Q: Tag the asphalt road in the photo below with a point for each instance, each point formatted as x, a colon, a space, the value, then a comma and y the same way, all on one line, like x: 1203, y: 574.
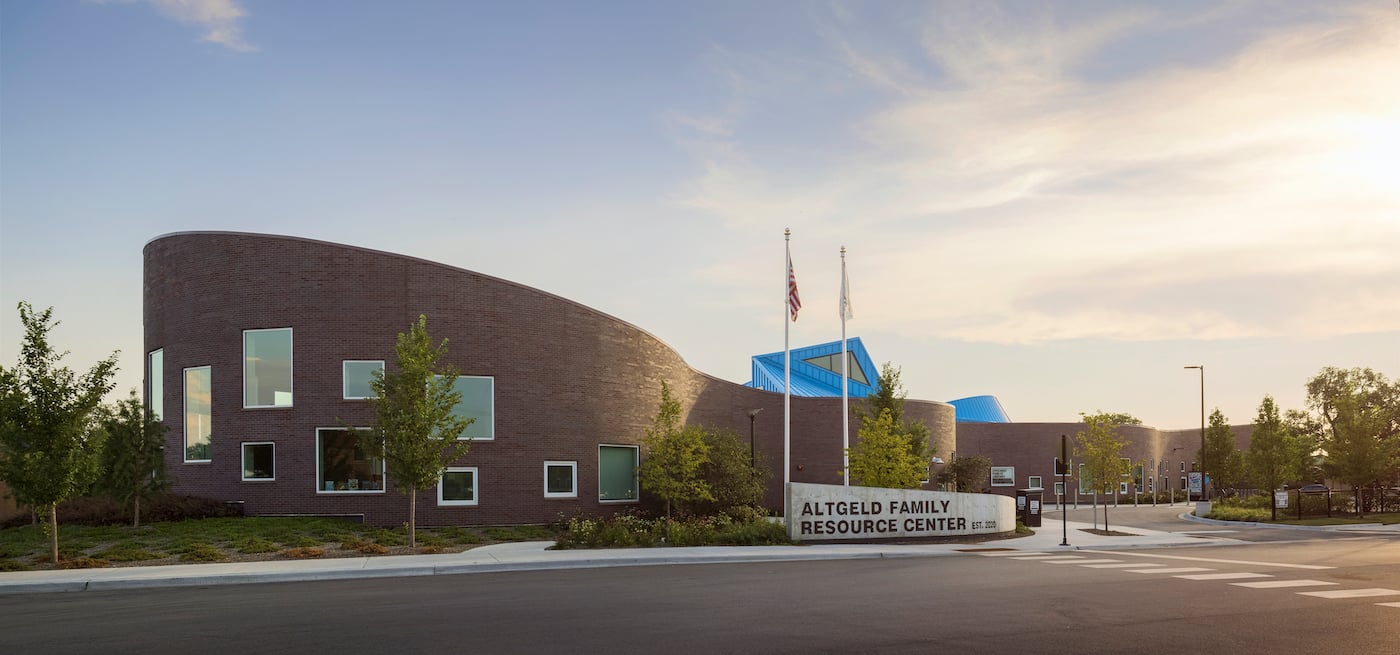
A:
x: 976, y: 602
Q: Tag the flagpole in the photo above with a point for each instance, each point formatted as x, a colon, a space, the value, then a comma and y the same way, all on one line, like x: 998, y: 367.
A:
x: 787, y: 373
x: 845, y: 380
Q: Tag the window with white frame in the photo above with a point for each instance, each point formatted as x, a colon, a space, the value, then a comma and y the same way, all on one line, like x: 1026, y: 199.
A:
x: 1003, y: 476
x: 1183, y: 483
x: 356, y: 375
x: 259, y: 461
x: 267, y: 368
x: 458, y: 486
x: 1123, y: 488
x: 1059, y: 488
x: 617, y: 474
x: 155, y: 383
x: 342, y: 466
x: 561, y: 479
x: 1034, y: 482
x: 1084, y: 486
x: 478, y: 403
x: 199, y: 416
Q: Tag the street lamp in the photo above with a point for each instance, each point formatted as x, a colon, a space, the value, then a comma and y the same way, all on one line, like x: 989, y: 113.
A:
x: 753, y: 414
x: 1204, y: 476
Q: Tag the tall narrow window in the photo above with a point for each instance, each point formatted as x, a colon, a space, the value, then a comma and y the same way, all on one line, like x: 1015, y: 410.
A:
x: 356, y: 376
x: 155, y: 383
x: 267, y: 368
x: 198, y: 414
x: 478, y: 404
x: 617, y: 474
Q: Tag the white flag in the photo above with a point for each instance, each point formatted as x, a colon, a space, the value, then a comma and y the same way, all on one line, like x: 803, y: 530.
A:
x: 845, y: 294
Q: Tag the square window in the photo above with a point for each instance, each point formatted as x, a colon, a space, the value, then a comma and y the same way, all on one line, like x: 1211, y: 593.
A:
x: 617, y: 474
x: 1122, y: 487
x: 342, y: 466
x: 356, y: 376
x: 458, y: 487
x: 478, y: 404
x: 267, y: 368
x: 1003, y: 476
x: 259, y: 461
x: 1059, y: 488
x: 560, y: 479
x: 1034, y: 482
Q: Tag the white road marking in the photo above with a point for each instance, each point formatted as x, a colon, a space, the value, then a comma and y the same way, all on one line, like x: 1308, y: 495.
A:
x: 1184, y: 569
x: 1280, y: 584
x: 1224, y: 576
x: 1351, y: 593
x: 1049, y: 558
x: 1209, y: 559
x: 1204, y: 531
x: 1129, y: 565
x: 1090, y: 561
x: 1009, y: 553
x: 1389, y: 604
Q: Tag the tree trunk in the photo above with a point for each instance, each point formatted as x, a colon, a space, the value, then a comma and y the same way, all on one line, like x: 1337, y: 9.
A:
x: 412, y: 516
x: 136, y: 513
x: 53, y: 530
x: 1105, y: 519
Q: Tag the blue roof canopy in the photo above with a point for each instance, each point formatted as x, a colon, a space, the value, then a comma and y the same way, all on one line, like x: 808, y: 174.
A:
x: 816, y: 370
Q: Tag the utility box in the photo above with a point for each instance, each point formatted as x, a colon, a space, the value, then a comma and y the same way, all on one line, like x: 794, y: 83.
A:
x: 1029, y: 503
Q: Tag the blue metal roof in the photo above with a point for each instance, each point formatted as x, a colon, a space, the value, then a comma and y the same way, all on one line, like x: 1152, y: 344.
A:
x: 816, y: 380
x: 822, y: 379
x: 979, y: 409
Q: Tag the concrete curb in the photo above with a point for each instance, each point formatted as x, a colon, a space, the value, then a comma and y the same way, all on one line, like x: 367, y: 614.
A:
x: 1349, y: 527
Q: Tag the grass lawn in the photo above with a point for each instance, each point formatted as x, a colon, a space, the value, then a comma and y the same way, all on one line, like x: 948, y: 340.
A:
x: 236, y: 539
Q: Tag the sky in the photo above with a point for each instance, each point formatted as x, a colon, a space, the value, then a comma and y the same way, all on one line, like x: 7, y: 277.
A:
x: 1057, y: 203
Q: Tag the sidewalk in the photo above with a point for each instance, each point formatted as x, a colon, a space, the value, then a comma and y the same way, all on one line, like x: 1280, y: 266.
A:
x: 532, y: 556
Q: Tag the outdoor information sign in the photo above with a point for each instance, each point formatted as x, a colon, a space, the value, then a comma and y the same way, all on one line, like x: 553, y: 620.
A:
x: 1281, y: 499
x: 1195, y: 482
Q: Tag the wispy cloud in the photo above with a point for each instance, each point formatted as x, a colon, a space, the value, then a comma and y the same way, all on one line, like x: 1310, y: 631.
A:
x: 1019, y: 198
x: 221, y: 19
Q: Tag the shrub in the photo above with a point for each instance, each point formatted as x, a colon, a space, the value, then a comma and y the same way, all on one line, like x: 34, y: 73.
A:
x: 11, y: 565
x: 371, y: 549
x: 202, y: 552
x: 1229, y: 513
x: 430, y: 550
x: 303, y: 553
x: 254, y: 544
x: 83, y: 563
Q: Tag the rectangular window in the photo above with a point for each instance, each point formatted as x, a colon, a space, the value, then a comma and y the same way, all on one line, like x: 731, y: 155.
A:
x: 1183, y: 484
x: 1003, y: 476
x: 155, y: 383
x: 1085, y: 487
x: 478, y: 404
x: 1183, y: 467
x: 1061, y: 468
x: 560, y: 479
x: 198, y: 414
x: 267, y: 368
x: 1151, y: 485
x: 259, y: 461
x: 458, y: 487
x: 1125, y: 466
x: 617, y: 474
x: 1059, y: 488
x: 1122, y: 488
x: 1034, y: 482
x: 342, y: 466
x: 356, y: 376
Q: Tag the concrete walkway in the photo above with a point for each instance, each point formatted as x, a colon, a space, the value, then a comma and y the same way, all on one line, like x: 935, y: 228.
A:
x: 530, y: 556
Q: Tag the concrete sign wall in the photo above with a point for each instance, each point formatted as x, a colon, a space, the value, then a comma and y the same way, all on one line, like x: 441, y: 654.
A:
x: 822, y: 512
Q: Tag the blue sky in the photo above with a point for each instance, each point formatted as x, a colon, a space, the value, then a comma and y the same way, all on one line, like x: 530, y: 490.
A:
x: 1059, y: 203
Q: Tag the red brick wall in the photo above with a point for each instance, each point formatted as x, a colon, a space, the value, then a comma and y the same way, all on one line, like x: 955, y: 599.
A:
x: 567, y: 377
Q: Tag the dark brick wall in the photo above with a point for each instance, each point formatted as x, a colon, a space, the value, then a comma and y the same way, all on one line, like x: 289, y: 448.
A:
x: 567, y: 377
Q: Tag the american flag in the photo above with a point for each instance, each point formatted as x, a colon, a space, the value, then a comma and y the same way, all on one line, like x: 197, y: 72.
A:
x: 794, y: 303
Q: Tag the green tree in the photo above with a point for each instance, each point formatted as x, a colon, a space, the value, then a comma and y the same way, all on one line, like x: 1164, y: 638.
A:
x: 1307, y: 435
x: 967, y: 474
x: 889, y: 396
x: 1356, y: 455
x: 1222, y: 454
x: 1271, y: 460
x: 884, y: 457
x: 1367, y: 389
x: 1120, y: 418
x: 133, y: 455
x: 732, y: 480
x: 1100, y: 449
x: 675, y: 454
x: 415, y: 432
x: 49, y: 446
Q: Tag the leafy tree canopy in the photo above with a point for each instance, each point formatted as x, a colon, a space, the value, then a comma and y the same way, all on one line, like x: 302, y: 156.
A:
x: 884, y: 456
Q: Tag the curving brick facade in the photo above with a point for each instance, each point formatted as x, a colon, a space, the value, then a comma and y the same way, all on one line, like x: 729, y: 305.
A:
x: 567, y: 378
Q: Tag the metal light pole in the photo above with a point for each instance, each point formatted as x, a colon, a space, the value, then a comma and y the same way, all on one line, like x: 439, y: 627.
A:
x: 753, y: 414
x: 1064, y: 513
x: 1205, y: 489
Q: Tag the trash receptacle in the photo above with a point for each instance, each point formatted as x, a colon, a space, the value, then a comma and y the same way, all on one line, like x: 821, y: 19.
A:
x: 1028, y: 506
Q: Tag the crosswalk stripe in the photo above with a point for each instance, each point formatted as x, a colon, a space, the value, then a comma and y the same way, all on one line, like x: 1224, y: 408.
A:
x: 1125, y: 565
x: 1224, y: 576
x: 1010, y: 553
x: 1181, y: 569
x: 1351, y: 593
x: 1389, y: 604
x: 1091, y: 561
x: 1049, y: 558
x: 1280, y: 584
